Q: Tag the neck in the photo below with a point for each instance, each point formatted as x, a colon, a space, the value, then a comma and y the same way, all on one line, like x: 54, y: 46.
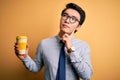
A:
x: 61, y: 34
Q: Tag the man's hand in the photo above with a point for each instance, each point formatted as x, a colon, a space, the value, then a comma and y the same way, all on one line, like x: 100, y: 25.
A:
x: 67, y: 39
x: 20, y: 56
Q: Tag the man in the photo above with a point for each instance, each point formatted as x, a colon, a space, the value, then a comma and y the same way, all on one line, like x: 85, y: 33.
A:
x: 77, y: 63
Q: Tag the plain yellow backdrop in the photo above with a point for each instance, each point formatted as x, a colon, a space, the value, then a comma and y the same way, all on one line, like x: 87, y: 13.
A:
x: 39, y: 19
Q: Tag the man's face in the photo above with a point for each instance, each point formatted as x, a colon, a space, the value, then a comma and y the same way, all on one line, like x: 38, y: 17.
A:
x: 69, y: 21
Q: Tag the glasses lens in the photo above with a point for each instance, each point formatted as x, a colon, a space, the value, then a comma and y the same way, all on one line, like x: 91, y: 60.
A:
x: 64, y: 16
x: 72, y: 19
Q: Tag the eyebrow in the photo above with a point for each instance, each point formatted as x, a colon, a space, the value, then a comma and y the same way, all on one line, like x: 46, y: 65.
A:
x: 71, y: 16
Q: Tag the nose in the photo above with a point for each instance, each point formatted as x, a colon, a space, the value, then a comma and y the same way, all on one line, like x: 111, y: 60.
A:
x: 67, y: 20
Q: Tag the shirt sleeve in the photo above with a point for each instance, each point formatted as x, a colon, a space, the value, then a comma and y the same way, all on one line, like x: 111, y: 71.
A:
x: 36, y: 64
x: 81, y: 61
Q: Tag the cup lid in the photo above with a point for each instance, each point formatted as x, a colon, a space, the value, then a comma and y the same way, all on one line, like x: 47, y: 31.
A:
x: 21, y: 37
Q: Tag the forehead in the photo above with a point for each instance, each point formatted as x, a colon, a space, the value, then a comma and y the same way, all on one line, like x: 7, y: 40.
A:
x: 72, y: 12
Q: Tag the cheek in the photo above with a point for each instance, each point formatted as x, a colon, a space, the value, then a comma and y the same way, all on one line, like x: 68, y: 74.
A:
x: 74, y: 26
x: 61, y: 22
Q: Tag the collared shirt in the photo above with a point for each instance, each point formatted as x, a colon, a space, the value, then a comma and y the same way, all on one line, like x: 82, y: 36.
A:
x: 78, y: 63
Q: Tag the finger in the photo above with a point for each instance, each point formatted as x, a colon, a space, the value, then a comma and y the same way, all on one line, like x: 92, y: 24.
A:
x: 15, y: 46
x: 16, y: 51
x: 16, y: 43
x: 63, y: 39
x: 27, y: 46
x: 65, y: 35
x: 72, y: 33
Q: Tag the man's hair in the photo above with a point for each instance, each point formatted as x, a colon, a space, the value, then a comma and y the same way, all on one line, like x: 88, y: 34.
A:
x: 78, y: 9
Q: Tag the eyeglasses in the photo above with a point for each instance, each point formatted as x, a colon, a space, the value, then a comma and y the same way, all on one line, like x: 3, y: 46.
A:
x: 72, y: 19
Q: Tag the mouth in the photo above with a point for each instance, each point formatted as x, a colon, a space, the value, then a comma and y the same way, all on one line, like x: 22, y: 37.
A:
x: 65, y: 26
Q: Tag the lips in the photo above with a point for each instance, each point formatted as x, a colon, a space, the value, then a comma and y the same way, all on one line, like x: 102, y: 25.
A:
x: 65, y: 26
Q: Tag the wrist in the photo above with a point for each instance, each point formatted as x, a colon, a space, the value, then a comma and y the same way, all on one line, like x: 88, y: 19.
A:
x: 22, y: 56
x: 71, y: 49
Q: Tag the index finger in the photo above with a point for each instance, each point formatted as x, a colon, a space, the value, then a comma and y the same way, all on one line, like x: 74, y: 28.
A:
x: 72, y: 33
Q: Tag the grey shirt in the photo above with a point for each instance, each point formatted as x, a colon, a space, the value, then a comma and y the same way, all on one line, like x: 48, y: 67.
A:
x: 78, y: 63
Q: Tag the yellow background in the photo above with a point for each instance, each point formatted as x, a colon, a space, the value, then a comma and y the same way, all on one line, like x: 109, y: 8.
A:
x: 39, y: 19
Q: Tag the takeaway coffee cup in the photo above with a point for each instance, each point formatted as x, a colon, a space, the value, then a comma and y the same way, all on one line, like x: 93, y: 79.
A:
x: 22, y: 42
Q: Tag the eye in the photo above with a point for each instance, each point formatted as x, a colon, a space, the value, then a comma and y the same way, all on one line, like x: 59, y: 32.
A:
x: 73, y: 18
x: 64, y: 15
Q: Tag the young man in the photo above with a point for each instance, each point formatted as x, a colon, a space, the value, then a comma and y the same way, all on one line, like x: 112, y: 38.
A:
x: 76, y: 62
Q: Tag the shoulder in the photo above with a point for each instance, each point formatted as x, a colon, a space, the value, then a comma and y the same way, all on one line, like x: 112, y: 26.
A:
x: 81, y: 46
x: 46, y: 44
x: 80, y: 43
x: 47, y: 41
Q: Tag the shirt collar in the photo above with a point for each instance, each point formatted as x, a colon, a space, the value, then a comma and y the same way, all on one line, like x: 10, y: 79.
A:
x: 58, y: 38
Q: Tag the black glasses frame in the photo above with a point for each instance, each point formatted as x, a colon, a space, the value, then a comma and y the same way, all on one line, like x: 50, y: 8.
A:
x: 72, y: 19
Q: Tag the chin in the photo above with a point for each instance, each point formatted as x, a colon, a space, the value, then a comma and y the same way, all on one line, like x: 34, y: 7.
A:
x: 65, y: 31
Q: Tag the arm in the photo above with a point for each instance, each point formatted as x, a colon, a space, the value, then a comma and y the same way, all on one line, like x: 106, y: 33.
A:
x: 34, y: 65
x: 81, y: 61
x: 80, y: 58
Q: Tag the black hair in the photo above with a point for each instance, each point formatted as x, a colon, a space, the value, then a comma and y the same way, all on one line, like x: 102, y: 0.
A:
x: 78, y: 9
